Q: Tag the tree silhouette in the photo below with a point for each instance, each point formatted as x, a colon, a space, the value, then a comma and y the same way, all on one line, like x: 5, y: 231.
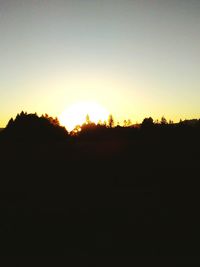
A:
x: 163, y: 120
x: 10, y: 123
x: 31, y: 126
x: 111, y: 121
x: 147, y: 123
x: 127, y: 123
x: 87, y: 119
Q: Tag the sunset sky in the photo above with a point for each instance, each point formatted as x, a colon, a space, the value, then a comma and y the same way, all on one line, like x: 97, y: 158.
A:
x: 136, y: 58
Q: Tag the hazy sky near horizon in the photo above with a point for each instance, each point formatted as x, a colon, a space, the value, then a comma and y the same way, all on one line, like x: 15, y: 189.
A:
x: 136, y: 58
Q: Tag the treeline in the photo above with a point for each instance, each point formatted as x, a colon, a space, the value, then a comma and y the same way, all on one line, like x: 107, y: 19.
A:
x: 32, y: 127
x: 46, y: 128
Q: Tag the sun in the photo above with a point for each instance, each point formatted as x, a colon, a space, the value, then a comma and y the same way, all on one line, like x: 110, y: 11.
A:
x: 77, y: 112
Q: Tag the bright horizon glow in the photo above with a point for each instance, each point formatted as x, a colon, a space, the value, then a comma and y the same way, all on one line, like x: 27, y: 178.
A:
x: 76, y: 114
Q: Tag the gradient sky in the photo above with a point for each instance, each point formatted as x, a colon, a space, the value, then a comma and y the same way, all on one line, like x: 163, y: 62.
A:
x: 136, y: 58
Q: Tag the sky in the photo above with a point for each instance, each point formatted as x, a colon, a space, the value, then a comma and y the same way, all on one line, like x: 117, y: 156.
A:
x: 136, y: 58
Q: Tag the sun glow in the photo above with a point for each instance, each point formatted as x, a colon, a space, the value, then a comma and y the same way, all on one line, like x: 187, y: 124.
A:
x: 76, y: 114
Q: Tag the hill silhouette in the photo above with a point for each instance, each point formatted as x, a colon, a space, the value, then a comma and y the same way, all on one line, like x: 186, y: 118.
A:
x: 102, y: 196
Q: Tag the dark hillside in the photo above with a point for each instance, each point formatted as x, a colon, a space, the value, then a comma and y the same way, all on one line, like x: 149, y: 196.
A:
x: 119, y: 196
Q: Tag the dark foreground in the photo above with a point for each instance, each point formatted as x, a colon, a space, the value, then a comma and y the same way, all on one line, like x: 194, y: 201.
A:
x: 117, y: 201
